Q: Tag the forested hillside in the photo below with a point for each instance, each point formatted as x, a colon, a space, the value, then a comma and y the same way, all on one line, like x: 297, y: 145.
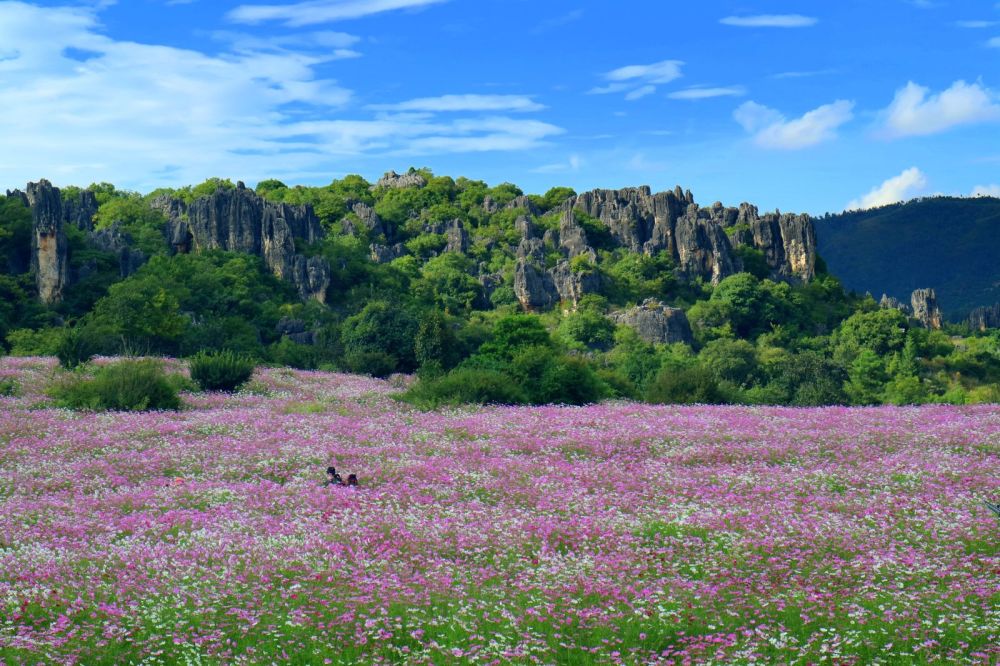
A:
x: 948, y: 243
x: 487, y: 293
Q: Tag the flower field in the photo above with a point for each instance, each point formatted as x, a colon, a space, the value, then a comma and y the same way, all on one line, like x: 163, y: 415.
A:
x: 618, y: 533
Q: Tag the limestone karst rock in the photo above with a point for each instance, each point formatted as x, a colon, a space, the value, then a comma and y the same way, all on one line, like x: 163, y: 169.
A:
x: 655, y: 322
x: 892, y: 303
x: 383, y: 254
x: 239, y: 220
x: 458, y: 237
x: 393, y: 180
x: 116, y: 241
x: 985, y: 318
x: 925, y: 308
x: 534, y: 287
x: 49, y: 249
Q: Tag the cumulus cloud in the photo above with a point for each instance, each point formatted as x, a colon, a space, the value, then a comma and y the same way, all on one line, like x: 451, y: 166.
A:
x: 638, y: 81
x: 312, y: 12
x: 700, y: 92
x: 770, y: 21
x: 770, y: 128
x: 899, y: 188
x: 986, y: 191
x: 79, y: 106
x: 915, y: 111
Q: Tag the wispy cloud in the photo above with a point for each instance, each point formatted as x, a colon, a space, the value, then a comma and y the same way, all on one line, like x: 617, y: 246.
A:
x: 312, y: 12
x: 573, y: 163
x: 559, y: 21
x: 770, y: 21
x: 704, y: 92
x: 976, y: 24
x: 464, y: 103
x: 803, y: 74
x: 639, y: 80
x: 915, y: 111
x: 770, y: 128
x: 898, y: 188
x: 994, y: 43
x: 255, y: 109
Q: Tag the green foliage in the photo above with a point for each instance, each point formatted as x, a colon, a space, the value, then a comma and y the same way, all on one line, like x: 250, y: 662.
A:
x: 9, y: 387
x: 221, y: 371
x: 41, y: 342
x: 436, y: 343
x: 513, y: 333
x: 132, y: 385
x: 685, y: 385
x: 466, y: 386
x: 753, y: 260
x: 587, y: 329
x: 76, y: 347
x: 379, y: 340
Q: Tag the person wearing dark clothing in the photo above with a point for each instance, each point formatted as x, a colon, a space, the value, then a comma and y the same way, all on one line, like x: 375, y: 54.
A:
x: 352, y: 479
x: 332, y: 478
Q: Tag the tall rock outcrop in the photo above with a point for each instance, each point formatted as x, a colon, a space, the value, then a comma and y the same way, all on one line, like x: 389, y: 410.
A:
x: 79, y: 211
x: 534, y: 287
x: 892, y: 303
x: 239, y: 220
x: 49, y: 249
x: 985, y: 318
x: 925, y: 308
x: 393, y: 180
x: 695, y: 237
x: 115, y: 241
x: 655, y: 322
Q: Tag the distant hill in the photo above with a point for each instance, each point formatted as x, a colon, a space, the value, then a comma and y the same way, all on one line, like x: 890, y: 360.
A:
x: 948, y: 243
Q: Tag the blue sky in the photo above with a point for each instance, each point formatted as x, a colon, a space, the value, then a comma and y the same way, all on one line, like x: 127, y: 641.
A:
x: 802, y: 106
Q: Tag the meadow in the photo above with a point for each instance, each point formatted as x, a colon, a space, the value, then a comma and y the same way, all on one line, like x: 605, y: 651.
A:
x: 618, y: 533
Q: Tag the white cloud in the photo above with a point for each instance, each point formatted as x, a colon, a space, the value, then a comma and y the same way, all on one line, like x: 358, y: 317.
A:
x: 454, y: 103
x: 639, y: 80
x: 915, y: 112
x: 986, y: 191
x: 994, y: 43
x: 770, y: 21
x: 659, y: 72
x: 573, y: 163
x: 976, y: 24
x: 706, y: 93
x: 639, y: 93
x: 312, y: 12
x: 771, y: 129
x: 899, y: 188
x: 146, y: 115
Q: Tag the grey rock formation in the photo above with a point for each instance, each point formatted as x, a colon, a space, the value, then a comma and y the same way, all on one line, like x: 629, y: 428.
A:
x: 368, y: 218
x: 573, y: 238
x: 16, y: 193
x: 525, y: 227
x: 116, y: 241
x: 573, y: 285
x: 80, y: 211
x: 239, y: 220
x: 534, y: 287
x: 49, y: 249
x: 490, y: 205
x: 985, y: 318
x: 393, y: 180
x: 668, y: 221
x: 524, y: 203
x: 531, y: 249
x: 892, y: 303
x: 655, y: 322
x: 382, y: 254
x: 458, y: 237
x: 296, y: 331
x: 925, y: 308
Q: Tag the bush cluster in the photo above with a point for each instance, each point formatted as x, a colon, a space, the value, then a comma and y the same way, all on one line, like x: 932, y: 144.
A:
x: 128, y: 386
x: 221, y: 371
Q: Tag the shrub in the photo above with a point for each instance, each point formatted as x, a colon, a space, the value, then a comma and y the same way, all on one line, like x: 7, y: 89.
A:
x: 464, y: 386
x: 9, y: 387
x: 221, y: 371
x: 75, y: 348
x: 124, y: 386
x: 693, y: 385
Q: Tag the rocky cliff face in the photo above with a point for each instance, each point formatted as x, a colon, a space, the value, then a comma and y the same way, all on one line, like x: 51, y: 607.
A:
x: 696, y: 237
x: 654, y: 322
x: 49, y: 249
x: 985, y: 318
x: 239, y: 220
x: 925, y: 308
x: 112, y: 239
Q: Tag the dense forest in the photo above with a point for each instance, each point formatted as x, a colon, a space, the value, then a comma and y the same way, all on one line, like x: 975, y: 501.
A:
x: 948, y: 243
x: 485, y: 293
